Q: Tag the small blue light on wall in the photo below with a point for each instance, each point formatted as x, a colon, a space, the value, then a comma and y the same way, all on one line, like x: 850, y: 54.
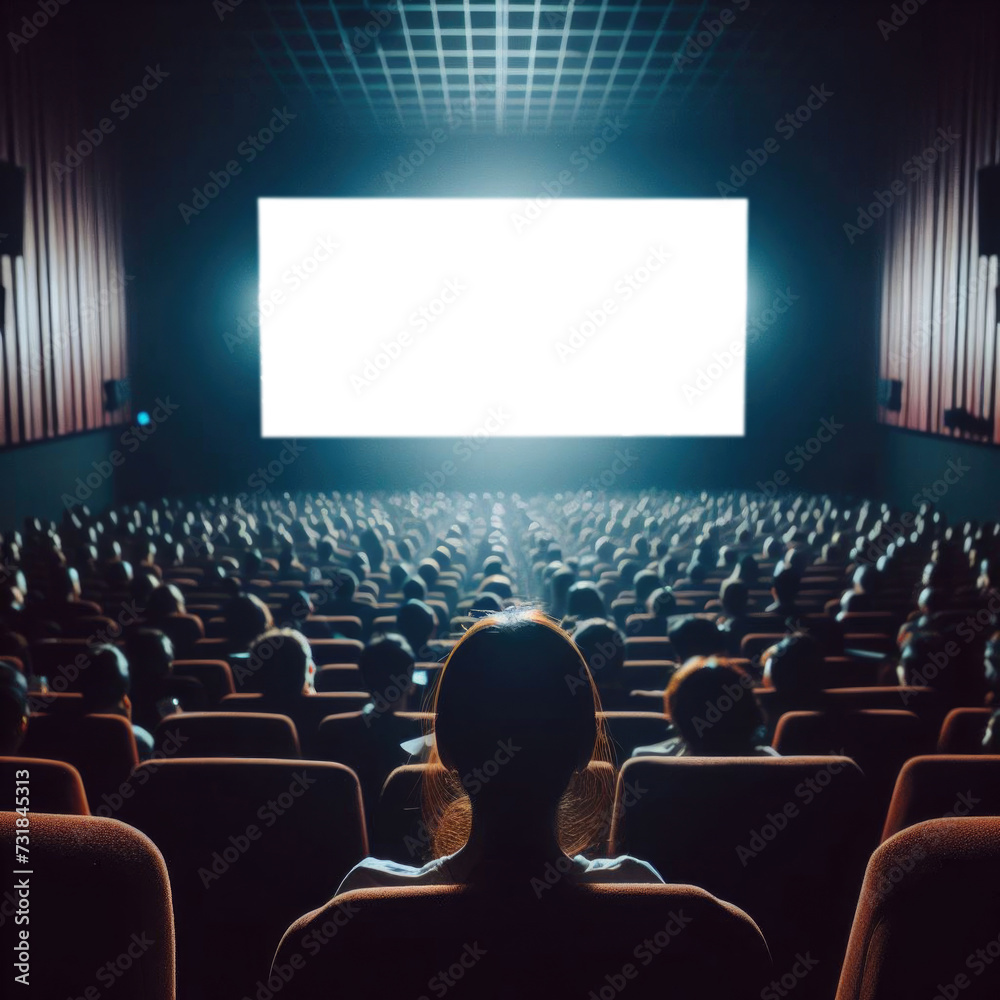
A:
x: 143, y: 419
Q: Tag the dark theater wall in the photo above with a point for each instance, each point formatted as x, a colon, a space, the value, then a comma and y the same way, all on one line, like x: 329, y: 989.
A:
x: 64, y: 329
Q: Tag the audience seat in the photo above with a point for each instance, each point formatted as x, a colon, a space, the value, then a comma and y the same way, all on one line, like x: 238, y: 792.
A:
x: 928, y: 920
x: 648, y: 648
x: 51, y: 657
x: 647, y: 675
x: 786, y: 839
x: 229, y: 734
x: 945, y: 785
x: 250, y: 845
x: 306, y: 712
x: 99, y: 894
x: 369, y: 744
x: 101, y: 747
x: 754, y: 643
x: 515, y: 940
x: 327, y: 626
x: 327, y: 651
x: 879, y: 741
x: 339, y: 677
x: 215, y: 676
x: 53, y: 787
x: 962, y: 731
x: 628, y: 730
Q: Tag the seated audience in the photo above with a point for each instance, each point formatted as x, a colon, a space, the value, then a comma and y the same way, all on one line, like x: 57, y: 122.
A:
x: 711, y: 707
x: 503, y: 697
x: 104, y: 684
x: 14, y: 710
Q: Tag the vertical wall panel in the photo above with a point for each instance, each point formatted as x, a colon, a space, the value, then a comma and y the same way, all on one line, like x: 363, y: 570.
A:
x: 64, y: 328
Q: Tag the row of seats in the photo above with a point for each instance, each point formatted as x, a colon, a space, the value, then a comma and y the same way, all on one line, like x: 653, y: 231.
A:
x: 789, y: 853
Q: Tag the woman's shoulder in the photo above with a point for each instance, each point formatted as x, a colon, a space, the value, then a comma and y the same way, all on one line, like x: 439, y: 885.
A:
x: 376, y: 873
x: 624, y: 868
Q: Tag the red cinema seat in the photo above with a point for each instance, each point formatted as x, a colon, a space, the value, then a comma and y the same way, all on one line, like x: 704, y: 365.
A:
x: 944, y: 786
x: 963, y: 729
x: 928, y: 920
x: 99, y: 901
x: 510, y: 941
x: 229, y: 734
x: 248, y: 844
x: 785, y: 839
x: 53, y: 787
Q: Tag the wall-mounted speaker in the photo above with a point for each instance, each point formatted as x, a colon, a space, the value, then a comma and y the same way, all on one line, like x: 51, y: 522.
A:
x: 889, y: 393
x: 12, y: 188
x: 116, y: 394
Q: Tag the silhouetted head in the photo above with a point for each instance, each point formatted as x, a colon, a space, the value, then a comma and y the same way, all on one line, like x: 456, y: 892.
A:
x: 149, y: 652
x: 386, y: 663
x: 693, y: 636
x: 414, y: 589
x: 485, y: 604
x: 295, y: 609
x: 164, y: 600
x: 661, y: 603
x: 515, y: 720
x: 104, y: 681
x: 584, y: 600
x: 14, y: 710
x: 644, y: 584
x: 794, y: 668
x: 734, y: 595
x: 785, y: 584
x: 710, y: 702
x: 281, y: 664
x: 505, y: 683
x: 416, y: 622
x: 247, y: 616
x: 603, y: 647
x: 345, y: 583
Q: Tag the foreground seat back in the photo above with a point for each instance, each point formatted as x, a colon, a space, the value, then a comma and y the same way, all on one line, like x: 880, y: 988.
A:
x: 651, y: 941
x: 928, y: 920
x: 944, y: 786
x: 100, y: 916
x: 785, y: 839
x: 250, y: 845
x: 53, y: 787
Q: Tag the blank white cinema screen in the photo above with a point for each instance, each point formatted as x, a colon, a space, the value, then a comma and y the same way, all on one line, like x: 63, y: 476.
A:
x: 435, y: 317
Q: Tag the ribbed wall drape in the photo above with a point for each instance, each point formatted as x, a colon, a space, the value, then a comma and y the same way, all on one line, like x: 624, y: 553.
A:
x: 939, y: 321
x: 64, y: 327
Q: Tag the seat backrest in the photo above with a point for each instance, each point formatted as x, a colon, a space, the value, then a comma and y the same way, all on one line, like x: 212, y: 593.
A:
x: 101, y: 747
x: 215, y: 676
x: 880, y: 741
x: 306, y: 712
x: 515, y: 941
x: 928, y: 919
x: 962, y: 730
x: 786, y: 839
x: 229, y: 734
x: 754, y: 643
x: 339, y: 677
x: 250, y: 845
x: 326, y: 651
x: 52, y: 786
x: 369, y: 744
x: 923, y: 702
x: 100, y: 901
x: 944, y: 786
x: 648, y: 648
x: 60, y: 660
x: 628, y: 730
